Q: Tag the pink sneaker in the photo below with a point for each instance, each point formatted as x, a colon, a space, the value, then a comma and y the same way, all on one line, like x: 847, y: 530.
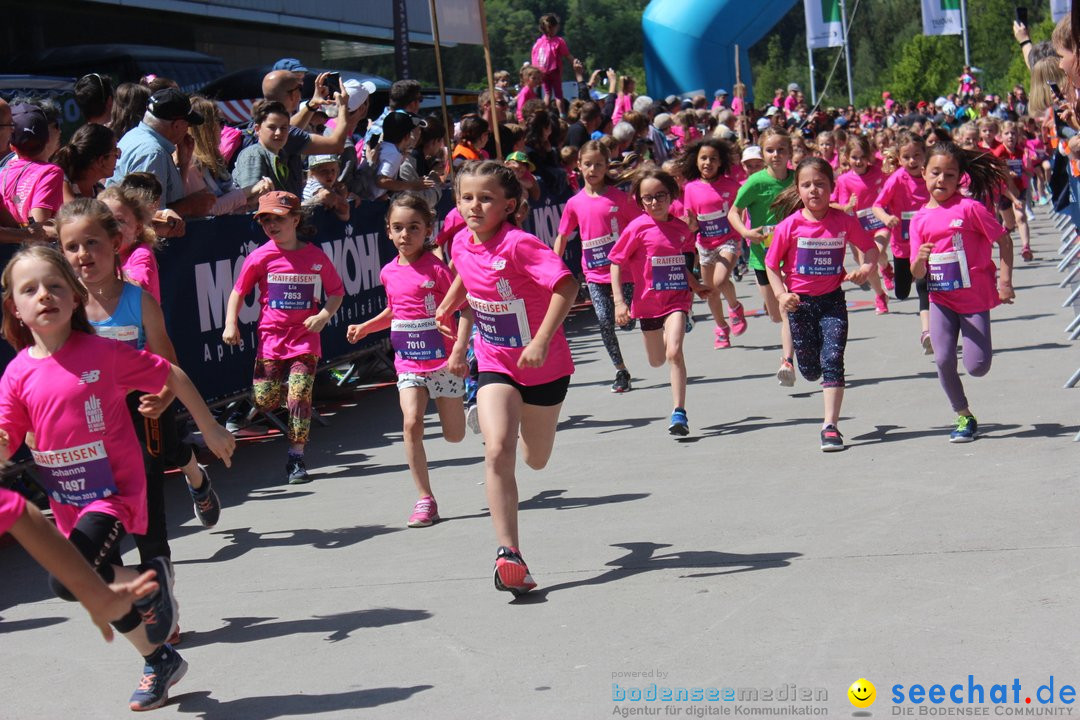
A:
x: 738, y: 320
x: 881, y: 303
x: 887, y: 277
x: 722, y: 337
x: 425, y: 512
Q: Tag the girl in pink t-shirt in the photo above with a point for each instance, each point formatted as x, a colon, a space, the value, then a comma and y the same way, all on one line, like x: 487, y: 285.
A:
x: 708, y: 196
x: 520, y: 293
x: 67, y: 387
x: 292, y: 276
x: 598, y: 213
x: 855, y: 193
x: 428, y: 364
x: 805, y: 265
x: 530, y: 86
x: 138, y: 240
x: 952, y: 238
x: 656, y: 252
x: 547, y: 54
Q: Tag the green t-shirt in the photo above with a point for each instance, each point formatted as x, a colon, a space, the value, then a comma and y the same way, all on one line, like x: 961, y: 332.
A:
x: 757, y: 195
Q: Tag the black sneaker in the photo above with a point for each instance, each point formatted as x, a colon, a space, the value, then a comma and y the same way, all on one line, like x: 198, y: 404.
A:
x: 831, y: 439
x: 158, y: 611
x: 622, y: 382
x: 167, y: 669
x: 511, y: 572
x: 296, y: 471
x: 207, y: 504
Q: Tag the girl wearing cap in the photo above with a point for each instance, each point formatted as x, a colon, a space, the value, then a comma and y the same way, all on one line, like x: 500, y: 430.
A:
x: 291, y: 275
x: 31, y: 188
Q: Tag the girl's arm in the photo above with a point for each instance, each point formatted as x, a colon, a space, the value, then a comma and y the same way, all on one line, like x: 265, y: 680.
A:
x: 890, y: 221
x: 788, y: 300
x: 734, y: 217
x: 157, y: 342
x: 219, y: 440
x: 317, y: 322
x: 622, y: 307
x: 870, y: 258
x: 457, y: 362
x: 356, y: 333
x: 560, y: 244
x: 562, y: 299
x: 231, y: 335
x: 443, y: 314
x: 918, y: 267
x: 1005, y: 250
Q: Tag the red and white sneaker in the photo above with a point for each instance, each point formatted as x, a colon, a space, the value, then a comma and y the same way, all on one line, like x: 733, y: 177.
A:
x: 887, y: 277
x: 737, y: 315
x: 881, y: 304
x: 511, y: 572
x: 425, y: 512
x: 723, y: 338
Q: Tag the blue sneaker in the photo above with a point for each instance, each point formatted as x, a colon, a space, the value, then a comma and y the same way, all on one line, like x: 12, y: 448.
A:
x: 158, y: 611
x: 167, y: 669
x: 679, y: 424
x: 966, y: 429
x: 689, y: 323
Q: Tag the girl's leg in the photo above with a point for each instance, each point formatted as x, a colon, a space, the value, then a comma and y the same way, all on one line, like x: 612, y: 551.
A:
x: 1021, y: 221
x: 736, y: 312
x: 538, y: 424
x: 884, y: 268
x: 500, y: 420
x: 902, y: 277
x: 978, y: 350
x: 604, y: 306
x: 674, y: 332
x: 413, y: 404
x: 710, y: 277
x: 301, y: 382
x: 451, y: 417
x: 267, y: 384
x: 806, y: 338
x: 923, y: 292
x: 654, y: 346
x: 833, y: 324
x: 944, y: 332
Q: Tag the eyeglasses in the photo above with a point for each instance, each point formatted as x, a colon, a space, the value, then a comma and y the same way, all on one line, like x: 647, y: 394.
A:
x: 658, y: 197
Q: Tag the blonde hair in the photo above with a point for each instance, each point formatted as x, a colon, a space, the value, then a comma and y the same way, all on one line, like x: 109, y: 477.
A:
x: 136, y: 203
x: 1046, y: 71
x: 15, y: 331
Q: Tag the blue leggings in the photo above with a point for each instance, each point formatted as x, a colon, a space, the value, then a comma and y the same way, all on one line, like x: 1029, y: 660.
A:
x: 819, y: 328
x: 603, y: 303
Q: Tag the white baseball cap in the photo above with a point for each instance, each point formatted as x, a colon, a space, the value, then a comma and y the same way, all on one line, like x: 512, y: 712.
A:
x: 752, y: 152
x: 763, y: 123
x: 358, y: 92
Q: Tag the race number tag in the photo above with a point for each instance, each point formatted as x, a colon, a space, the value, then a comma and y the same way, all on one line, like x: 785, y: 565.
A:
x: 504, y: 323
x: 1016, y: 166
x: 291, y: 291
x: 669, y: 273
x: 127, y: 334
x: 76, y: 476
x: 714, y: 224
x: 819, y: 256
x: 947, y: 271
x: 905, y: 224
x: 595, y: 252
x: 417, y: 339
x: 869, y: 220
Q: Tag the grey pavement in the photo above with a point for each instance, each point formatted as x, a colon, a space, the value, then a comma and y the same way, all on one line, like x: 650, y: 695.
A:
x: 740, y: 557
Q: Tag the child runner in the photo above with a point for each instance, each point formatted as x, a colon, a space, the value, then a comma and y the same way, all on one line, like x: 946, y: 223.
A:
x: 756, y: 196
x: 855, y: 193
x: 1012, y: 206
x: 808, y: 249
x: 291, y: 275
x: 708, y: 197
x: 656, y: 251
x: 599, y: 213
x: 904, y: 193
x: 953, y: 236
x: 428, y: 364
x: 67, y: 387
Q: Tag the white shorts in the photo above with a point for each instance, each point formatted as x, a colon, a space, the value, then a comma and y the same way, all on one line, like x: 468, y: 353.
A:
x: 711, y: 257
x: 438, y: 383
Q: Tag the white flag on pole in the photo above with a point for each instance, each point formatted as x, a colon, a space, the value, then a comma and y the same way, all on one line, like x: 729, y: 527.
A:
x: 823, y: 28
x: 459, y: 22
x: 941, y: 17
x: 1059, y: 9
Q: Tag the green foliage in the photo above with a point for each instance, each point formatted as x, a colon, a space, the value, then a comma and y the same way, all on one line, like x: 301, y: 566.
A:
x: 927, y: 67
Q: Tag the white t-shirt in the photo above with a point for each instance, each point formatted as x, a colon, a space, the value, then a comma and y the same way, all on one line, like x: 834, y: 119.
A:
x: 390, y: 160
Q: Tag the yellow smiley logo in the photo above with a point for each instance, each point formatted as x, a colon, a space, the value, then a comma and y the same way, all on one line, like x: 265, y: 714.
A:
x: 862, y: 693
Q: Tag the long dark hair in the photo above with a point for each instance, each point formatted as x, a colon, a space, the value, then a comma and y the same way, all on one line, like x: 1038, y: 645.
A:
x: 986, y: 171
x: 90, y: 142
x: 788, y: 201
x: 689, y: 160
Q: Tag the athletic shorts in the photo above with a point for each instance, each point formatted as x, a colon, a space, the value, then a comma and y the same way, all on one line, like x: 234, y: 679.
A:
x: 762, y: 277
x: 656, y: 323
x: 438, y: 383
x: 546, y: 395
x: 707, y: 256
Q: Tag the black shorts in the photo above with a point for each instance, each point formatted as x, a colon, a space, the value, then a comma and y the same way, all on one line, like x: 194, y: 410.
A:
x: 762, y: 277
x: 656, y: 323
x: 546, y: 395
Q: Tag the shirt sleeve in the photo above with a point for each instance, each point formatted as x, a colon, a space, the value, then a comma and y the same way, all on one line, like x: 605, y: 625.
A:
x: 539, y: 261
x: 249, y: 167
x: 778, y: 249
x: 48, y: 191
x: 745, y: 197
x: 139, y: 369
x: 856, y: 235
x: 885, y: 196
x: 568, y: 222
x: 12, y: 506
x: 14, y: 418
x: 249, y: 273
x: 331, y: 281
x: 625, y: 247
x: 987, y: 223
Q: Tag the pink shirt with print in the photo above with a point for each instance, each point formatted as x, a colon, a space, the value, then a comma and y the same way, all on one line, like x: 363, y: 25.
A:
x: 510, y: 280
x: 710, y: 202
x: 901, y: 195
x: 28, y: 184
x: 652, y: 255
x: 599, y: 219
x: 810, y: 253
x: 413, y: 292
x: 865, y: 188
x: 74, y: 401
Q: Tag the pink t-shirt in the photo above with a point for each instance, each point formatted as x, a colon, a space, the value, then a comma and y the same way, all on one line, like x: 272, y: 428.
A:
x: 290, y: 284
x: 790, y: 103
x: 548, y: 52
x: 710, y: 202
x: 141, y: 268
x: 678, y: 209
x: 810, y: 252
x: 28, y: 184
x: 961, y: 274
x: 413, y: 292
x: 623, y: 104
x: 452, y: 224
x: 598, y: 219
x: 901, y: 195
x: 74, y: 403
x: 738, y: 173
x: 651, y: 254
x: 865, y: 188
x: 525, y: 95
x: 737, y: 105
x: 12, y: 506
x: 510, y: 280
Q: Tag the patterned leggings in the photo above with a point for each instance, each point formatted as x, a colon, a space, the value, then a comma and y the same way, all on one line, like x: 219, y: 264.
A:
x: 298, y: 374
x: 819, y: 328
x: 603, y: 303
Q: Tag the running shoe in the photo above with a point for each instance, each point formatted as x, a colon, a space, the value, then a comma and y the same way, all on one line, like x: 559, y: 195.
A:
x: 679, y: 424
x: 689, y: 323
x: 622, y: 382
x: 424, y: 513
x: 737, y: 316
x: 1030, y: 213
x: 632, y: 325
x: 831, y: 439
x: 722, y: 334
x: 1044, y: 199
x: 158, y: 611
x: 511, y: 572
x: 924, y: 340
x: 966, y: 430
x: 887, y: 277
x: 1027, y: 254
x: 472, y: 419
x: 881, y: 304
x: 740, y: 270
x: 296, y: 470
x: 786, y: 374
x: 167, y: 669
x: 207, y: 504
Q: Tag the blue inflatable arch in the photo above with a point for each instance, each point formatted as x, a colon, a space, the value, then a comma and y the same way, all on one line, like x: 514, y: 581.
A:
x: 690, y: 44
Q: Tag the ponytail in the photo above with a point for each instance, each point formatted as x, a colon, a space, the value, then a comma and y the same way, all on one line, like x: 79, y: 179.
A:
x: 985, y: 170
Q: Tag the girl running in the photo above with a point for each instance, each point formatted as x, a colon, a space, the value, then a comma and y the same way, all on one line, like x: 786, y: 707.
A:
x: 756, y: 196
x: 1012, y: 206
x: 904, y: 193
x: 520, y: 292
x: 953, y: 238
x: 708, y: 197
x: 805, y: 264
x: 291, y: 275
x: 657, y: 251
x: 428, y: 365
x: 599, y: 212
x: 67, y: 387
x: 855, y: 193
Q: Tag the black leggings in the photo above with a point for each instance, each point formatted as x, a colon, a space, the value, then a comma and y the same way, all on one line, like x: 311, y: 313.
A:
x: 97, y: 537
x: 902, y: 277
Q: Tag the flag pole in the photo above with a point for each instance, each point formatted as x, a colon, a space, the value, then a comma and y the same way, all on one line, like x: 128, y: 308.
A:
x: 847, y: 51
x: 813, y: 82
x: 442, y: 87
x: 491, y: 81
x: 964, y: 32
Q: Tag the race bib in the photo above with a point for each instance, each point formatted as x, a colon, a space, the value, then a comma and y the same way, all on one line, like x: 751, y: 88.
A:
x: 669, y: 272
x: 594, y: 252
x: 947, y: 271
x: 714, y: 225
x: 291, y: 291
x: 819, y: 256
x: 417, y: 339
x: 76, y: 476
x: 1016, y: 166
x: 504, y: 323
x: 128, y: 334
x: 869, y: 220
x: 905, y: 224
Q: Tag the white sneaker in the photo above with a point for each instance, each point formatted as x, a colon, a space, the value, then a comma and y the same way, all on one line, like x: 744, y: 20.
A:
x: 472, y: 419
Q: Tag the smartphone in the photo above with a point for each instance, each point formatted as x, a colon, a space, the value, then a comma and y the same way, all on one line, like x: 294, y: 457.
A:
x: 1022, y: 15
x: 1057, y: 91
x: 333, y: 81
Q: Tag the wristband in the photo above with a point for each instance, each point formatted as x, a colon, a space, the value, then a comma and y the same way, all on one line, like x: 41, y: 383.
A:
x: 1024, y: 42
x: 308, y: 106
